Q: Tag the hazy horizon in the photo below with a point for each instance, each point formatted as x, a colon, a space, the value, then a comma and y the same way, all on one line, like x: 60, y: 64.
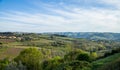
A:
x: 40, y: 16
x: 56, y: 32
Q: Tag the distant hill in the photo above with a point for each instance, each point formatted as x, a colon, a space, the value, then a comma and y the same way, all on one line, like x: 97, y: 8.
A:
x: 91, y: 35
x: 86, y: 35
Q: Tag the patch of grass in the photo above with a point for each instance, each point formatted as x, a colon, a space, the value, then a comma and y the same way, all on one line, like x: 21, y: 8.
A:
x: 99, y: 63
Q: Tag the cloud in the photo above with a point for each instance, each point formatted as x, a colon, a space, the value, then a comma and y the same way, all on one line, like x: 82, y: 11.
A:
x: 62, y: 19
x: 114, y: 3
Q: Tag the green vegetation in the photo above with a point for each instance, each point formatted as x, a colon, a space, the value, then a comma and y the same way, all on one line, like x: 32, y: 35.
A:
x: 114, y: 65
x: 30, y: 51
x: 102, y: 62
x: 31, y: 58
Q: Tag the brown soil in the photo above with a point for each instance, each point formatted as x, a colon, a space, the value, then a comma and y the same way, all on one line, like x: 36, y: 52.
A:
x: 10, y: 53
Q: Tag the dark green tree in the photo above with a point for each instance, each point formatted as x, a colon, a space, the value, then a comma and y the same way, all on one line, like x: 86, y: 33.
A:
x: 84, y: 57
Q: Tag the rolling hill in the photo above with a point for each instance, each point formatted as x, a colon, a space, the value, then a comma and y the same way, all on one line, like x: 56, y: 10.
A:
x: 91, y: 35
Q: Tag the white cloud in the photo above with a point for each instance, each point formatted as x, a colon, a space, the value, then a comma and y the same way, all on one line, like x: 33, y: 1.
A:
x: 72, y: 19
x: 115, y: 3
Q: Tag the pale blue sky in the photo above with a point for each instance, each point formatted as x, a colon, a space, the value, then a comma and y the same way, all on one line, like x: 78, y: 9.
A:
x: 60, y: 15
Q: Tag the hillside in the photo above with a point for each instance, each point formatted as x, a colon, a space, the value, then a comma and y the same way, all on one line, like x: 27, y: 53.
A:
x: 61, y: 43
x: 102, y: 63
x: 91, y: 35
x: 55, y: 52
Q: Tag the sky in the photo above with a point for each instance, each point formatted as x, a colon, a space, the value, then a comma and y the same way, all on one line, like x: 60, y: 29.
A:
x: 60, y: 16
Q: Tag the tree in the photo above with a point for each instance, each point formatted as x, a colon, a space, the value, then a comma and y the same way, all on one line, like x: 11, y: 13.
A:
x: 84, y: 57
x: 31, y: 58
x: 74, y: 65
x: 52, y: 64
x: 80, y: 65
x: 1, y: 43
x: 93, y: 55
x: 72, y: 55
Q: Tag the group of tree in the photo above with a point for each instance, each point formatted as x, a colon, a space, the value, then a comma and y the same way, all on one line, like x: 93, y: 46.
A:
x: 34, y: 59
x: 109, y: 53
